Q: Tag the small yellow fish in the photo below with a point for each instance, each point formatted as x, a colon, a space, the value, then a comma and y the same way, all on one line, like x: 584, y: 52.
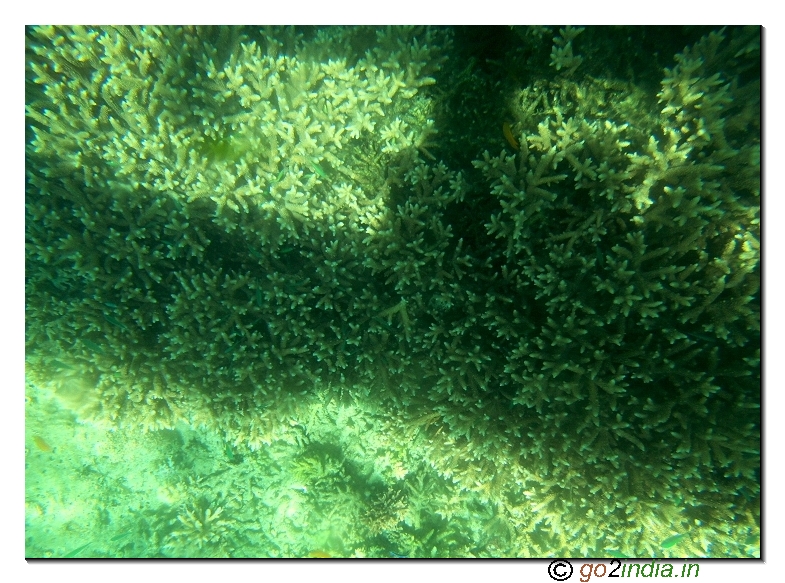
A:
x: 41, y: 444
x: 510, y: 138
x: 319, y: 555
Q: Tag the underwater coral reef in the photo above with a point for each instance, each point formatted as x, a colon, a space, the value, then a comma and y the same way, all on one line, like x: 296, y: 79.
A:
x: 399, y: 292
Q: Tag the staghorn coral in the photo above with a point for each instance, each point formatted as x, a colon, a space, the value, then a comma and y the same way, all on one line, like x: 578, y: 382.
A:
x: 629, y: 376
x: 252, y: 144
x: 562, y: 56
x: 385, y: 509
x: 200, y: 531
x: 233, y: 228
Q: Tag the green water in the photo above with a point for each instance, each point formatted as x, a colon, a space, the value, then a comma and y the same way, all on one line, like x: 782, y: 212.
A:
x: 407, y: 292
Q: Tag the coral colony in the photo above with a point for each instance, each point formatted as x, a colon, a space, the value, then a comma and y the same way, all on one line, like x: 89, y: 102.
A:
x: 320, y: 318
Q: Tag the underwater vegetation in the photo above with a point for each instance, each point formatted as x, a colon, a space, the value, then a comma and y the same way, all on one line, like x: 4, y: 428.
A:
x: 353, y: 295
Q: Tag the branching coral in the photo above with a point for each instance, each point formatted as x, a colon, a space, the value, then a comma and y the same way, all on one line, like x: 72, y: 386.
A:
x: 194, y: 175
x: 200, y: 531
x: 385, y: 510
x: 656, y: 229
x: 220, y: 220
